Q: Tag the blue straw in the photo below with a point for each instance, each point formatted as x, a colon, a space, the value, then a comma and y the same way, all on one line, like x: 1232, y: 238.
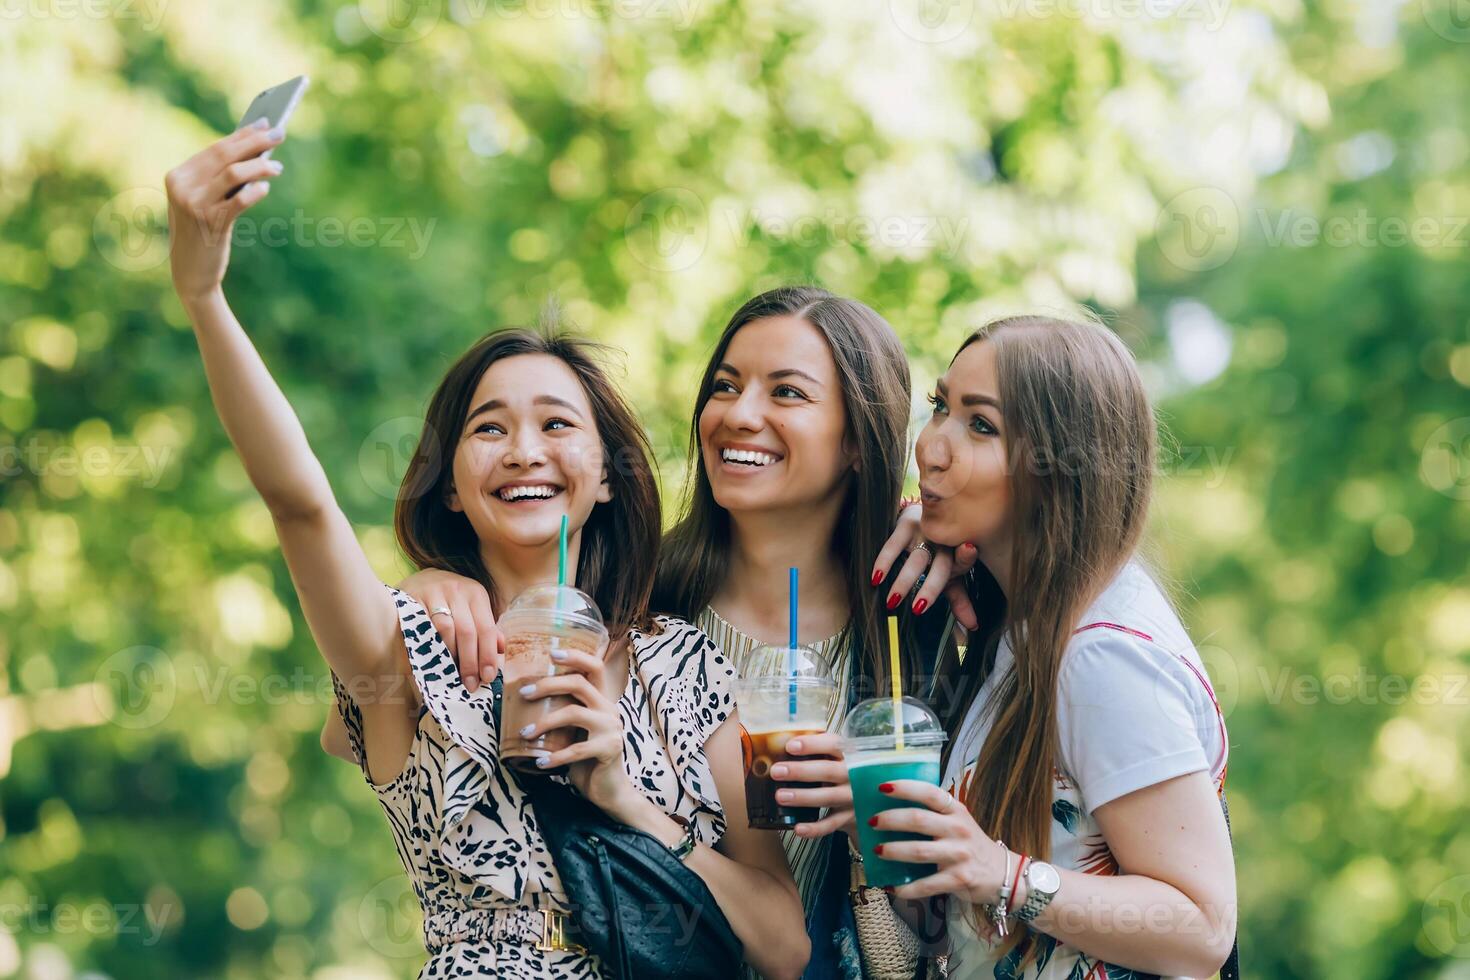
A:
x: 791, y: 651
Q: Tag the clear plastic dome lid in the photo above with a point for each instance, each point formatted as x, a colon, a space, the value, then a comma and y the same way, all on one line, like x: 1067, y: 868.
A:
x: 875, y: 723
x: 561, y: 605
x: 782, y: 665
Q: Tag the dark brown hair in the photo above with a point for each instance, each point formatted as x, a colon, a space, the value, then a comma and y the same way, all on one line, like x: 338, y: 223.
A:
x: 1081, y: 443
x: 619, y: 544
x: 874, y: 376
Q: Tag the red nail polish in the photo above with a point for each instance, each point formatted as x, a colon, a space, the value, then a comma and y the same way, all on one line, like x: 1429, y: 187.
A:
x: 872, y: 821
x: 971, y: 546
x: 888, y: 889
x: 885, y: 787
x: 877, y: 577
x: 878, y: 849
x: 920, y: 606
x: 893, y: 601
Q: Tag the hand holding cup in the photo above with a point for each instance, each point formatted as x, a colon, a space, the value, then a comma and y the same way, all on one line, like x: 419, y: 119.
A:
x: 821, y: 763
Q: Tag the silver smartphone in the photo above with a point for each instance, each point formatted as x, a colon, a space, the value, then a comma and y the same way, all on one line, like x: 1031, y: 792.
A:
x: 274, y: 105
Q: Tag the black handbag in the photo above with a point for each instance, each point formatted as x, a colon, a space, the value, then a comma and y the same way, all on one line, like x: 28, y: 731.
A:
x: 634, y: 903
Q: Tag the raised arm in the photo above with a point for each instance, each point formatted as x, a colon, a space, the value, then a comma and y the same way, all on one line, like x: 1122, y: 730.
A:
x: 350, y: 614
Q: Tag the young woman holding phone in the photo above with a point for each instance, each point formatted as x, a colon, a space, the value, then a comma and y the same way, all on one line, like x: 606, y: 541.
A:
x: 797, y: 450
x: 530, y: 431
x: 1078, y: 829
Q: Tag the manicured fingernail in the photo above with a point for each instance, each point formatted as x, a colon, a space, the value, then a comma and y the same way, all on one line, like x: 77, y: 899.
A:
x: 784, y: 795
x: 893, y: 601
x: 920, y: 606
x: 971, y: 546
x: 558, y: 655
x: 888, y: 889
x: 542, y: 761
x: 885, y: 787
x: 794, y: 745
x: 877, y: 577
x: 778, y: 772
x: 527, y: 690
x: 878, y: 849
x: 274, y: 166
x: 260, y: 123
x: 872, y: 821
x: 277, y: 133
x: 526, y: 732
x: 471, y: 682
x: 488, y: 673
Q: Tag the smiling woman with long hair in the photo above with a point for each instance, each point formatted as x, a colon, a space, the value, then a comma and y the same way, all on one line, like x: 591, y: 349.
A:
x: 797, y: 449
x: 525, y: 436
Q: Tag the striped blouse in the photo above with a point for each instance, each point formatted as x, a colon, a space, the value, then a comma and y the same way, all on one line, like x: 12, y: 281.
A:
x: 806, y: 856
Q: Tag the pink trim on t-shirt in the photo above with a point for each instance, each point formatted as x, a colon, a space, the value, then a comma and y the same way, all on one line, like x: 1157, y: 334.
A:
x: 1219, y: 715
x: 1113, y: 626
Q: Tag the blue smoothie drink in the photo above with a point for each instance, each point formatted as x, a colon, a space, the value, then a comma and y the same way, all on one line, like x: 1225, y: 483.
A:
x: 867, y: 773
x: 884, y: 743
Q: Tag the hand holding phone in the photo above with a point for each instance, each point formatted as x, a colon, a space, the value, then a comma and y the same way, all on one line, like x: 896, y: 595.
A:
x: 207, y: 192
x: 275, y: 106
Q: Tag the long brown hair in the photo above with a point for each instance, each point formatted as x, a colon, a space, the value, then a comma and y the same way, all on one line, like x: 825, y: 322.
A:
x: 874, y: 376
x: 1081, y: 443
x: 619, y: 544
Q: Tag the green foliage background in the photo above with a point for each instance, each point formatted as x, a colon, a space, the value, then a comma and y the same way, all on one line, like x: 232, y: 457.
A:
x: 164, y: 807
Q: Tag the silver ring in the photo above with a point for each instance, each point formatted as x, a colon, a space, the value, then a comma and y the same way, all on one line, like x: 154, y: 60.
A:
x: 923, y: 546
x: 441, y: 611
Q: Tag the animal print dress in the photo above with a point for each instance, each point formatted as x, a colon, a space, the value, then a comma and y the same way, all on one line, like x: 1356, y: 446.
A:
x: 467, y: 834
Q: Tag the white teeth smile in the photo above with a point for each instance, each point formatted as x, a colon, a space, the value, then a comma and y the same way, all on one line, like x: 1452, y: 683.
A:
x: 540, y: 491
x: 749, y: 457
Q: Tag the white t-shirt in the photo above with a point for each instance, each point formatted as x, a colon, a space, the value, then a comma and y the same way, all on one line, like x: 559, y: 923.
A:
x: 1135, y: 708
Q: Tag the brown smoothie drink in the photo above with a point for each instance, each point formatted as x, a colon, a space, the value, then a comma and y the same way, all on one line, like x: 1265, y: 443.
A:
x: 542, y: 620
x: 528, y: 658
x: 786, y: 692
x: 762, y: 751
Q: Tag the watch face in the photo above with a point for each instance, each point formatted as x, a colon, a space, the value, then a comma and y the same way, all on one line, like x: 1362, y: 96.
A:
x: 1043, y: 877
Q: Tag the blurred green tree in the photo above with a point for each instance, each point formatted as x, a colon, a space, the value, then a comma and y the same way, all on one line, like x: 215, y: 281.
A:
x: 164, y: 808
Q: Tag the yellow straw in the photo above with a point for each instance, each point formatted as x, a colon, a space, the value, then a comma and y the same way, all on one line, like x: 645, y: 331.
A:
x: 897, y: 683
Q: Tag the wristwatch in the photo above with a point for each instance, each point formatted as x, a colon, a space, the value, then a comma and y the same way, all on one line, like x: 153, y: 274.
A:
x: 1042, y: 883
x: 685, y: 847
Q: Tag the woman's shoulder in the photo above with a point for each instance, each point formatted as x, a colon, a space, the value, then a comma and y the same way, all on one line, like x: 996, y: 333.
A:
x: 662, y: 627
x: 1133, y: 606
x: 685, y: 674
x: 671, y: 643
